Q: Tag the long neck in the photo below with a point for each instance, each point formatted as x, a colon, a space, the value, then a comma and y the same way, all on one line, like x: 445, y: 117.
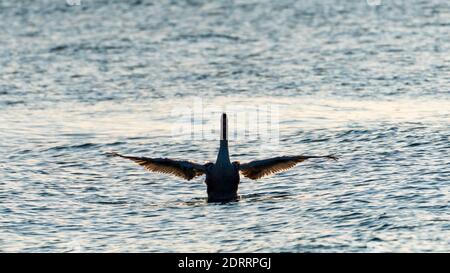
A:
x: 223, y: 156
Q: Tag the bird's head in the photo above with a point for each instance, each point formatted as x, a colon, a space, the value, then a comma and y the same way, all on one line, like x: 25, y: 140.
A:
x: 224, y: 127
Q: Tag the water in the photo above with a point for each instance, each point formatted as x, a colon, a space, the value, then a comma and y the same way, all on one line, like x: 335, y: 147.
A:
x: 370, y: 83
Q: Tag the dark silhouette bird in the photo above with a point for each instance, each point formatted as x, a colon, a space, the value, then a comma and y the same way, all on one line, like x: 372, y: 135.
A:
x: 222, y: 177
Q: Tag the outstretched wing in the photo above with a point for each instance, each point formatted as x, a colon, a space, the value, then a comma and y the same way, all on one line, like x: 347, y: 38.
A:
x: 260, y: 168
x: 183, y: 169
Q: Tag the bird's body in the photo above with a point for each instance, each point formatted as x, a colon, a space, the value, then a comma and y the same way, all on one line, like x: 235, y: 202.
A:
x: 223, y: 176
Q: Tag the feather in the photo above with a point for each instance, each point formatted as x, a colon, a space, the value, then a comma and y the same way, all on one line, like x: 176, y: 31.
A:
x: 182, y: 169
x: 260, y: 168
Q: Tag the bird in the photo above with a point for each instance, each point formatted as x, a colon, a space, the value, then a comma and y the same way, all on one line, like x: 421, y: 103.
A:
x: 223, y: 176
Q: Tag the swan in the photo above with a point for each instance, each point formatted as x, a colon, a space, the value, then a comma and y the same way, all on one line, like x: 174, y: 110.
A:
x: 222, y: 177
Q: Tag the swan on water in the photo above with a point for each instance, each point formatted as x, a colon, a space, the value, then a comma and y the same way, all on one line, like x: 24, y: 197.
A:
x: 222, y: 177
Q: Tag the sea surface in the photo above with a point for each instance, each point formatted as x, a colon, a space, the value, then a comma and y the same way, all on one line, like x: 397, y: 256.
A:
x: 368, y: 82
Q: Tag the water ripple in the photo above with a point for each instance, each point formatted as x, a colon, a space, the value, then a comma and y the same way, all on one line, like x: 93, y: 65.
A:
x: 367, y: 83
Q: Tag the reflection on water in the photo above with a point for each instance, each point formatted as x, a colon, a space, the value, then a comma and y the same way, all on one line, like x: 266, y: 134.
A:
x: 367, y: 83
x: 254, y: 197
